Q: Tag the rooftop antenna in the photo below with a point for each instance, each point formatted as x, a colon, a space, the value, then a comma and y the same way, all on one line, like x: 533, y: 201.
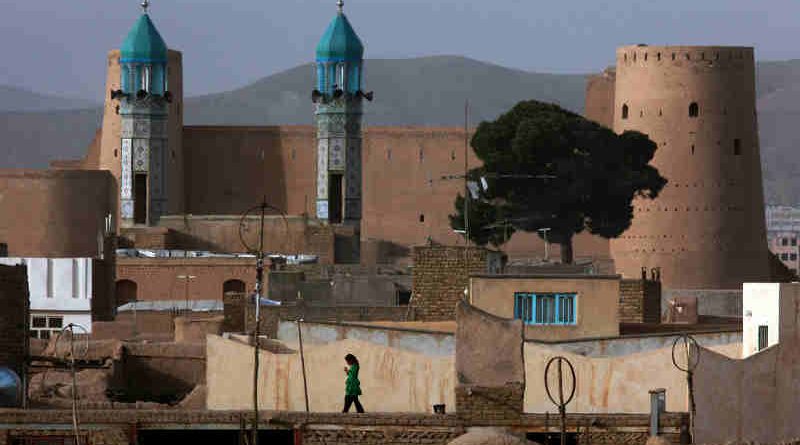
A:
x: 340, y: 4
x: 145, y: 4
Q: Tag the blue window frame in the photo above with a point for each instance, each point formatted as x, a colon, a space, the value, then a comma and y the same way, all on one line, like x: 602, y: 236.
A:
x: 545, y: 309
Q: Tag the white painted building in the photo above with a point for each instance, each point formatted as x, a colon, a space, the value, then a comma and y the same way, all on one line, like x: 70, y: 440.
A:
x: 60, y: 292
x: 760, y: 317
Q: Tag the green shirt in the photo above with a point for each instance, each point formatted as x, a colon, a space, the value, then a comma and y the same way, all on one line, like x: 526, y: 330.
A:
x: 352, y: 386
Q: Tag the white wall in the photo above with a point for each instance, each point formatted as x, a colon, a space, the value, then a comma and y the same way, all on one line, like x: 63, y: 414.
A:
x: 760, y: 307
x: 59, y: 286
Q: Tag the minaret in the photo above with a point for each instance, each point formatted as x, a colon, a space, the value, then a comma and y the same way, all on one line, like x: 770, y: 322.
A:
x: 143, y: 107
x: 338, y: 97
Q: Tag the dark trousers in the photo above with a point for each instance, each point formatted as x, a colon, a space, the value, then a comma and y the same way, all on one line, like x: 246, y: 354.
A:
x: 349, y: 400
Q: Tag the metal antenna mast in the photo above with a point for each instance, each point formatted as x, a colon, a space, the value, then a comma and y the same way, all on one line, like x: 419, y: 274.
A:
x: 259, y: 252
x: 73, y: 370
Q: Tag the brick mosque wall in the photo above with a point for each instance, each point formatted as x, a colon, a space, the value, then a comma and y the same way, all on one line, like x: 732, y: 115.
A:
x: 441, y: 273
x: 639, y: 301
x: 15, y: 305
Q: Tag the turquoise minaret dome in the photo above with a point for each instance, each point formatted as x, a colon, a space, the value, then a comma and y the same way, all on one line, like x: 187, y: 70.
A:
x: 143, y: 58
x: 143, y: 43
x: 340, y: 42
x: 340, y: 54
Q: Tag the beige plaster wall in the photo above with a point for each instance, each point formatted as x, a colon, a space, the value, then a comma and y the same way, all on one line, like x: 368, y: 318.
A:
x: 615, y: 384
x: 392, y: 380
x: 598, y: 298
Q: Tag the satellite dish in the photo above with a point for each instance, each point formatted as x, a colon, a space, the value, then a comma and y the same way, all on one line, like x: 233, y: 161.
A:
x: 10, y: 388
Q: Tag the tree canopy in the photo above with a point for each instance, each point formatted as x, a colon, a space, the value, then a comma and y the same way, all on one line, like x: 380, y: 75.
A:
x: 546, y: 167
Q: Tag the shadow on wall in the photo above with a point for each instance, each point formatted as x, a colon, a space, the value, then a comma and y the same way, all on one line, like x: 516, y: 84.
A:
x: 162, y: 373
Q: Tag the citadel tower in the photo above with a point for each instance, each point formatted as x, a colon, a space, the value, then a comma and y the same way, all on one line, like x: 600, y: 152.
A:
x: 338, y: 97
x: 706, y: 229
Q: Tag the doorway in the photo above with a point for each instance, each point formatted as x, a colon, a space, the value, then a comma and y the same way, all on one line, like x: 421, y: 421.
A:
x: 335, y: 197
x: 140, y: 198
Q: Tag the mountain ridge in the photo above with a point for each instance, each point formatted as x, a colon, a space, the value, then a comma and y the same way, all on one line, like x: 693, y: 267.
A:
x: 426, y: 91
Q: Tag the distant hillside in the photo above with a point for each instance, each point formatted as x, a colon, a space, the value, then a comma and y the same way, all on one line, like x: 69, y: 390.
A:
x: 422, y: 91
x: 19, y: 99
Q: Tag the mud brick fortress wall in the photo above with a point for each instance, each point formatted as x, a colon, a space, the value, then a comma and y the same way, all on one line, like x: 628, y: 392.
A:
x: 14, y: 317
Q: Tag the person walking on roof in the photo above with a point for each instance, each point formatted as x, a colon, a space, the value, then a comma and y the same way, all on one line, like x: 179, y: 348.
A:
x: 352, y: 386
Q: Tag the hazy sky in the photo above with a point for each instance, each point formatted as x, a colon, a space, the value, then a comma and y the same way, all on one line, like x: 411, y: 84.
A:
x: 59, y: 46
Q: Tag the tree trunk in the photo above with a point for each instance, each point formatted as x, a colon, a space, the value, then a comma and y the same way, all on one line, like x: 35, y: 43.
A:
x: 566, y: 250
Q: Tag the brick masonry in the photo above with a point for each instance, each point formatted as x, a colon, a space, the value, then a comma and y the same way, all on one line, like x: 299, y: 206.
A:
x: 639, y: 301
x: 112, y: 427
x: 441, y: 273
x: 482, y: 405
x: 14, y: 317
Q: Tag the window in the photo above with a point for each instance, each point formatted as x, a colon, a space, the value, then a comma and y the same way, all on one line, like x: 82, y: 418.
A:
x: 737, y: 147
x: 692, y: 148
x: 39, y: 322
x: 792, y: 257
x: 45, y: 326
x: 785, y: 256
x: 784, y: 241
x: 340, y: 69
x: 146, y: 76
x: 421, y: 217
x: 763, y: 337
x: 794, y: 241
x: 625, y: 111
x: 694, y: 109
x: 545, y: 309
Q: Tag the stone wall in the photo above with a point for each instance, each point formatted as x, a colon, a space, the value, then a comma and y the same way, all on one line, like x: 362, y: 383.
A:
x: 639, y: 301
x: 14, y: 317
x: 441, y: 274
